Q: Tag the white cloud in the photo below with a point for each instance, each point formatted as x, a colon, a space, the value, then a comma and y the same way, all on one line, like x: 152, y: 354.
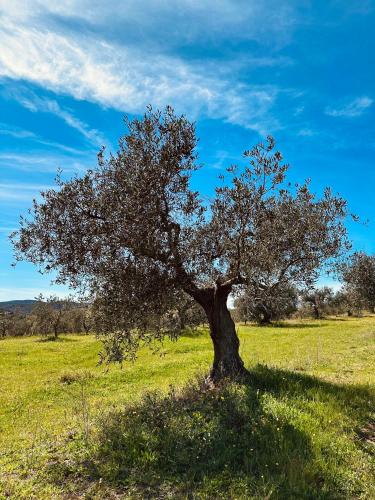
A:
x: 352, y: 109
x: 223, y: 159
x: 299, y: 110
x: 88, y: 67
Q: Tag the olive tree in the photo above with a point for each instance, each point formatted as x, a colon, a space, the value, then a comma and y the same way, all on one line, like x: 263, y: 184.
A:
x: 358, y: 275
x: 266, y: 304
x: 5, y: 323
x: 189, y: 313
x: 48, y: 314
x: 345, y: 301
x: 319, y: 300
x: 132, y: 232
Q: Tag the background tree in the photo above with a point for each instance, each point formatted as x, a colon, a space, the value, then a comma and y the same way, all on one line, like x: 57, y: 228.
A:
x: 132, y: 232
x: 189, y: 313
x: 20, y: 324
x: 319, y: 299
x: 87, y: 319
x: 76, y: 318
x: 241, y: 309
x: 15, y: 323
x: 358, y: 275
x: 48, y: 315
x: 340, y: 303
x: 264, y: 305
x: 5, y: 323
x: 345, y: 301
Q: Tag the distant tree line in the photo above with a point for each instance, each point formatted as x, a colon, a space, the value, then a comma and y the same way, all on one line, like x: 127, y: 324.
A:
x: 51, y: 316
x: 315, y: 303
x: 357, y: 295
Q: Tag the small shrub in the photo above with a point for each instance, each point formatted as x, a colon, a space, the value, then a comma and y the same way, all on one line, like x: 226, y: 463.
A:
x: 70, y: 377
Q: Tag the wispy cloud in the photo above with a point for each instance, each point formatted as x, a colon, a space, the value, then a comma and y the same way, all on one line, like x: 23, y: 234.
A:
x: 306, y: 132
x: 352, y: 109
x: 16, y: 196
x: 16, y: 132
x: 180, y: 21
x: 25, y: 186
x: 19, y: 133
x: 223, y: 159
x: 126, y: 78
x: 35, y: 103
x: 37, y: 162
x: 20, y: 191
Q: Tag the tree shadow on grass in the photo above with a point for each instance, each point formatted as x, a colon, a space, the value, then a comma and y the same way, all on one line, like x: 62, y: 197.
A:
x: 250, y: 440
x: 353, y: 399
x: 198, y: 331
x: 281, y: 324
x: 51, y: 338
x: 345, y: 319
x: 299, y: 326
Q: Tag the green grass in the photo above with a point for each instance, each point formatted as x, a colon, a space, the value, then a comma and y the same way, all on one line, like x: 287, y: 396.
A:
x: 301, y: 427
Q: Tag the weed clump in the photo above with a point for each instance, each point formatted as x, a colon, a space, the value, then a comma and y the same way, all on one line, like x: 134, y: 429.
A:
x: 69, y: 377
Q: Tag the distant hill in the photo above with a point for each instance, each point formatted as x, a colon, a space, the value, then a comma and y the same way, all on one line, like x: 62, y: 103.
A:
x: 17, y: 305
x: 25, y: 306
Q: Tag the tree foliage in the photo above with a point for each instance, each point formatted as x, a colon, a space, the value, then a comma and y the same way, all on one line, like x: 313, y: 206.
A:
x: 358, y: 275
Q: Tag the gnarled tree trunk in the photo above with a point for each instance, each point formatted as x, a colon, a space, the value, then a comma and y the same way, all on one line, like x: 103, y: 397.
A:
x: 227, y: 361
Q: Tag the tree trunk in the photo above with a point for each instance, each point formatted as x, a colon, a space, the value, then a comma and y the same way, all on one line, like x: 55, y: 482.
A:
x: 227, y: 361
x: 266, y: 316
x: 182, y: 318
x: 316, y: 311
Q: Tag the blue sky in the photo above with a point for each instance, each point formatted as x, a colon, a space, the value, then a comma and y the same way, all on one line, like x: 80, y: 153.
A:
x: 303, y: 71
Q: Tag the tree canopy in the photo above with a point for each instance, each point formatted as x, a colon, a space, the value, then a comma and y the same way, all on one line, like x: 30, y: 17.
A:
x: 133, y: 234
x: 358, y: 275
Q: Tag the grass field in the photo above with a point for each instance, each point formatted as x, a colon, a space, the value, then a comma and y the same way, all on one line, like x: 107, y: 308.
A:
x: 301, y: 427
